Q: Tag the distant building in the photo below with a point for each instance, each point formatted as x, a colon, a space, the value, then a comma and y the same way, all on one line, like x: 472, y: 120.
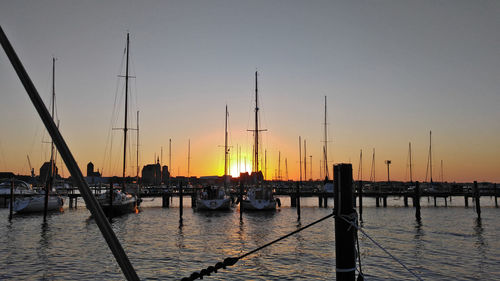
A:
x: 93, y: 177
x: 151, y: 174
x: 165, y: 174
x: 90, y: 171
x: 46, y: 171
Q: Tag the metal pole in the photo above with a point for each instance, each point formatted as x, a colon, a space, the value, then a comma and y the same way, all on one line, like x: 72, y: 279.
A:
x: 76, y: 174
x: 180, y: 202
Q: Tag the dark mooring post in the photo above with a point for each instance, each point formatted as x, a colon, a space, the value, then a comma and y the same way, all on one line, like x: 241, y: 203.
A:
x: 297, y: 198
x: 11, y: 205
x: 241, y: 200
x: 344, y: 232
x: 417, y: 201
x: 495, y: 192
x: 360, y: 197
x: 377, y: 201
x: 180, y: 202
x: 466, y: 199
x: 476, y: 196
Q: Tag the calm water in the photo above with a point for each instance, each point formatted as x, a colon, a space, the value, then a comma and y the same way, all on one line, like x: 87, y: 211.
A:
x: 450, y: 244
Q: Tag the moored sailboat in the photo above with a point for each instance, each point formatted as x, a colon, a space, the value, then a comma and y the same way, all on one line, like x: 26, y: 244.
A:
x: 215, y: 198
x: 258, y: 197
x: 115, y: 201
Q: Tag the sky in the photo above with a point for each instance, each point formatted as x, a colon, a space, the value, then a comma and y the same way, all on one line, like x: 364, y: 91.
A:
x: 391, y: 70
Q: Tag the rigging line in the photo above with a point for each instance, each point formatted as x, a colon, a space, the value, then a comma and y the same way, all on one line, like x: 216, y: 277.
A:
x: 381, y: 247
x: 232, y: 260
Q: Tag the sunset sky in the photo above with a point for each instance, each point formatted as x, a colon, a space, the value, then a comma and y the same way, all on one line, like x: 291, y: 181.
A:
x: 391, y: 70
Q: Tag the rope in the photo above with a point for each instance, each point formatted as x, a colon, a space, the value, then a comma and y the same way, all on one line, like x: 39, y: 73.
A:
x: 232, y: 260
x: 381, y: 247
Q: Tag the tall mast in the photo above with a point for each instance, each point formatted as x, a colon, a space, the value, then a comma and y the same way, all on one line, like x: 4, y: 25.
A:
x: 52, y: 164
x: 430, y: 152
x: 279, y: 165
x: 325, y: 146
x: 300, y: 160
x: 360, y: 169
x: 169, y: 156
x: 256, y: 142
x: 125, y: 129
x: 411, y: 172
x: 189, y: 155
x: 305, y: 161
x: 255, y: 164
x: 286, y: 168
x: 226, y: 152
x: 137, y: 151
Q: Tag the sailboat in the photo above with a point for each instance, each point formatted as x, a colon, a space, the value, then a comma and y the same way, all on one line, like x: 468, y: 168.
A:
x: 37, y: 202
x: 215, y: 198
x: 327, y: 185
x: 115, y: 201
x: 258, y: 198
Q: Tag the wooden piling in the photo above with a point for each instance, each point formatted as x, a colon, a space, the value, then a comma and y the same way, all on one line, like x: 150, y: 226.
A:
x: 477, y: 196
x: 446, y: 201
x: 417, y: 201
x: 165, y: 202
x: 241, y: 200
x: 385, y: 201
x: 180, y: 202
x: 360, y: 198
x: 320, y: 201
x: 11, y: 206
x: 405, y: 199
x: 466, y: 200
x: 495, y: 192
x: 298, y: 201
x: 344, y: 232
x: 293, y: 201
x: 325, y: 200
x: 193, y: 201
x: 435, y: 203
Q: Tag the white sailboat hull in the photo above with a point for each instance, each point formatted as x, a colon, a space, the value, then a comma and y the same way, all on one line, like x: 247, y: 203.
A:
x: 37, y: 204
x: 213, y: 204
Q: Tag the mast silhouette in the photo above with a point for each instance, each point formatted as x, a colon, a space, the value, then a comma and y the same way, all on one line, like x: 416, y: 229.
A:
x: 125, y: 129
x: 325, y: 146
x: 255, y: 164
x: 51, y: 175
x: 226, y: 152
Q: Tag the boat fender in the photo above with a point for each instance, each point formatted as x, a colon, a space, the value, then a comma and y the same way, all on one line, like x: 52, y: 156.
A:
x: 279, y: 202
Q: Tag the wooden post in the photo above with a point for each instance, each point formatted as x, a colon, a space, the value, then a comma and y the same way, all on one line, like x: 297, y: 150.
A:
x: 466, y: 199
x: 344, y: 232
x: 297, y: 198
x: 446, y: 201
x: 385, y: 201
x: 435, y: 204
x: 11, y: 206
x: 293, y: 201
x: 320, y: 201
x: 241, y: 200
x: 377, y: 201
x: 495, y: 191
x: 193, y: 201
x: 325, y: 201
x: 360, y: 198
x: 477, y: 196
x: 406, y: 200
x: 417, y: 201
x: 180, y: 202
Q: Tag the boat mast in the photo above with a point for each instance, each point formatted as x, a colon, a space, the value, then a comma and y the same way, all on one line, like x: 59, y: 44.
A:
x: 411, y: 172
x: 256, y: 142
x: 52, y: 164
x: 226, y: 152
x: 430, y: 153
x: 255, y: 164
x: 125, y: 121
x: 137, y: 151
x: 325, y: 146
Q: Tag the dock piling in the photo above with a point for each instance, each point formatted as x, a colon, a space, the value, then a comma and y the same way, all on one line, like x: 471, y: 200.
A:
x: 495, y: 192
x: 416, y: 201
x: 298, y: 201
x: 360, y: 198
x: 344, y: 232
x: 466, y: 200
x: 476, y: 196
x: 11, y: 205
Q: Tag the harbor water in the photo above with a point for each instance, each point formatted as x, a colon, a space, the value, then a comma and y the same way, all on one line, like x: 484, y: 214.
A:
x: 450, y: 243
